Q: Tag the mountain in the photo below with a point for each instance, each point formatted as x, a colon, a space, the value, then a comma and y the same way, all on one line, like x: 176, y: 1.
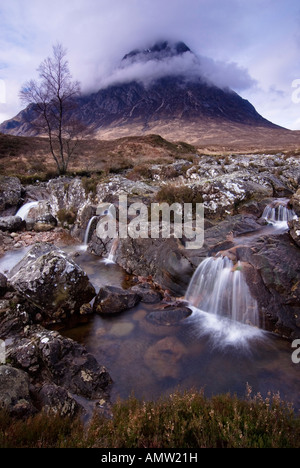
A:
x: 158, y: 90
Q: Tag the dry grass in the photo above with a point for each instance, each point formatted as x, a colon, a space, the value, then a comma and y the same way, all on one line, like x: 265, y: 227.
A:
x: 188, y: 420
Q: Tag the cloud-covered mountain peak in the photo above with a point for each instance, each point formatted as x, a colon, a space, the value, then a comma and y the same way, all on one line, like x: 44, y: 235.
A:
x: 159, y: 51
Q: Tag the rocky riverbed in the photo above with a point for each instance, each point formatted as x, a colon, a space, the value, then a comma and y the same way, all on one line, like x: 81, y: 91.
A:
x: 45, y: 370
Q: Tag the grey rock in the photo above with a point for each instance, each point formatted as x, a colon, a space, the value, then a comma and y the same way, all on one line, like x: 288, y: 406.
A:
x: 14, y: 391
x: 147, y: 293
x: 11, y: 224
x: 295, y: 202
x: 113, y: 300
x: 171, y: 315
x: 58, y: 401
x: 10, y: 192
x: 51, y: 281
x: 3, y: 284
x: 294, y: 226
x: 50, y: 358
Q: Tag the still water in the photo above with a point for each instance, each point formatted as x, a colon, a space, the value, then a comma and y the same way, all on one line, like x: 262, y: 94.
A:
x: 201, y: 352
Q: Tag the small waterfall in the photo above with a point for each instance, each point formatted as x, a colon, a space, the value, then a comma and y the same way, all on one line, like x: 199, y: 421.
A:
x: 218, y: 287
x: 111, y: 256
x: 278, y: 213
x: 88, y: 229
x: 25, y: 209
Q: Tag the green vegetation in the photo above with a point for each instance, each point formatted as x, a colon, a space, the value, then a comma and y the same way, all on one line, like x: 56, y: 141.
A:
x: 188, y: 420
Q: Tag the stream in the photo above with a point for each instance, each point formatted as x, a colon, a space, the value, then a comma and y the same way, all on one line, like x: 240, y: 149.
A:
x: 205, y: 351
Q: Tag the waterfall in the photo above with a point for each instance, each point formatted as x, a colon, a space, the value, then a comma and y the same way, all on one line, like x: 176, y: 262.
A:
x: 88, y: 229
x: 25, y: 209
x: 218, y: 287
x: 278, y: 213
x: 111, y: 256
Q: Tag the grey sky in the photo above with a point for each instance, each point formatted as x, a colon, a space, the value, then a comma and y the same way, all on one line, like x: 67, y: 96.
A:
x: 251, y: 46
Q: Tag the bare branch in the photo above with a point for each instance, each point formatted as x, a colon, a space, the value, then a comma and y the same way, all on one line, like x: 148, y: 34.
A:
x: 52, y: 100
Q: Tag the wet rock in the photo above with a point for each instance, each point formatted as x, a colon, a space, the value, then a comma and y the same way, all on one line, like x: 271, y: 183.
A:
x: 79, y: 229
x: 113, y: 300
x: 169, y: 316
x: 276, y: 288
x: 163, y: 358
x: 50, y: 358
x: 167, y: 260
x: 11, y: 224
x: 163, y: 259
x: 280, y: 187
x: 294, y: 226
x: 10, y: 192
x: 14, y: 392
x: 295, y: 202
x: 52, y: 282
x: 45, y: 223
x: 147, y: 293
x: 57, y: 400
x: 3, y: 284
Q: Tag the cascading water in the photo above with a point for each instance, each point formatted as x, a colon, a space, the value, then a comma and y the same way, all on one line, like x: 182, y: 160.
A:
x: 219, y: 287
x: 112, y: 254
x: 222, y: 304
x: 25, y: 209
x: 88, y: 229
x: 278, y: 213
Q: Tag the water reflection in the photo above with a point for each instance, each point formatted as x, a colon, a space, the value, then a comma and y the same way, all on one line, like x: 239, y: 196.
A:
x: 153, y: 360
x: 199, y: 352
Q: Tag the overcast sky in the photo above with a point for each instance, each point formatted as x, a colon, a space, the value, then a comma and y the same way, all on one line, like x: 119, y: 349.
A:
x: 253, y: 46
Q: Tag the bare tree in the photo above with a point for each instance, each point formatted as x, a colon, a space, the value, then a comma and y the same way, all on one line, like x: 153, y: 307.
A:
x: 53, y: 101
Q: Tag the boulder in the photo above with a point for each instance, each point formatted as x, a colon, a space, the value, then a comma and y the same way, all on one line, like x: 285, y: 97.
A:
x: 57, y: 401
x: 59, y: 365
x: 171, y: 315
x: 11, y: 224
x: 14, y: 391
x: 295, y: 202
x: 113, y: 300
x: 147, y: 293
x: 10, y: 192
x: 275, y: 281
x: 167, y: 260
x: 45, y: 223
x: 294, y: 226
x: 52, y: 282
x: 3, y: 284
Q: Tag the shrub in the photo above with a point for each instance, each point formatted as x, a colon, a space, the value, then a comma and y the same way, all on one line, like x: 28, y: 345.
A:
x: 141, y: 171
x: 188, y: 420
x: 67, y: 217
x: 90, y: 185
x: 182, y: 194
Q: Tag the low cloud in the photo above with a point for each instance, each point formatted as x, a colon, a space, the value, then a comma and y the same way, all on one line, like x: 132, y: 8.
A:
x: 188, y: 65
